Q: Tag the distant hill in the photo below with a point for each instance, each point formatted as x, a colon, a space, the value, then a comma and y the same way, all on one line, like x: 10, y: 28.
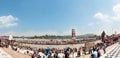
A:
x: 57, y: 36
x: 87, y: 36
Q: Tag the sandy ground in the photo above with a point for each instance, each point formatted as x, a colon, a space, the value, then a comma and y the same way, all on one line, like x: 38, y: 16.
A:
x: 15, y: 54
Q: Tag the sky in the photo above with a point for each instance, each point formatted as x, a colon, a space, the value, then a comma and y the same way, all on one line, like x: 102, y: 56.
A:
x: 58, y: 17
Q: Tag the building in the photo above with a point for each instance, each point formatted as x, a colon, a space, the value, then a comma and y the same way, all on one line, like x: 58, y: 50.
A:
x: 73, y: 34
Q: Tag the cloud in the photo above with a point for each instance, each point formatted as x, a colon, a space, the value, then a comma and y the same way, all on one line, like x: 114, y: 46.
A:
x: 33, y: 33
x: 116, y: 9
x: 8, y: 21
x: 90, y: 24
x: 109, y: 22
x: 107, y: 17
x: 101, y: 16
x: 39, y: 33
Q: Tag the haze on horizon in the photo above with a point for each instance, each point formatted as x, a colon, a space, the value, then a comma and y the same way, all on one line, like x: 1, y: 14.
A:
x: 58, y: 17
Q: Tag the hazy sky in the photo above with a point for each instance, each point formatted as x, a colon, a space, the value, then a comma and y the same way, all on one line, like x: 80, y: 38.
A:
x: 58, y: 17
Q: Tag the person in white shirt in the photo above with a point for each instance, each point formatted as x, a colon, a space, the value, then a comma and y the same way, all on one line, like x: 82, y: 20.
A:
x: 61, y: 54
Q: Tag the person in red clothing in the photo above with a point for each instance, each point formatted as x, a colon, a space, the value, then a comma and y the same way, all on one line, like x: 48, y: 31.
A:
x: 33, y: 56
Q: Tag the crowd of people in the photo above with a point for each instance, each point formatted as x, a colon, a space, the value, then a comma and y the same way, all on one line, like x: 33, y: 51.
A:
x: 61, y: 53
x: 50, y: 52
x: 34, y: 52
x: 95, y: 50
x: 55, y: 52
x: 67, y: 52
x: 54, y: 42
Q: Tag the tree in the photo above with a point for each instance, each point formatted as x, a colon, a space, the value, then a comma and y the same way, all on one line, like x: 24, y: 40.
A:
x: 103, y: 36
x: 35, y: 36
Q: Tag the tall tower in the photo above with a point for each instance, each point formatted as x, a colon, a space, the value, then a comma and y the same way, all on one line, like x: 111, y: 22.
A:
x: 73, y: 34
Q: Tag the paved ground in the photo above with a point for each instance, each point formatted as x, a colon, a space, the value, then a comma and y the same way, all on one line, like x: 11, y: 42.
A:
x: 14, y: 54
x: 114, y: 52
x: 108, y: 50
x: 3, y: 54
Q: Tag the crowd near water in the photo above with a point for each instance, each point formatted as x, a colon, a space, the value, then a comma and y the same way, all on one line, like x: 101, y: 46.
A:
x: 54, y: 41
x: 66, y: 52
x: 48, y: 52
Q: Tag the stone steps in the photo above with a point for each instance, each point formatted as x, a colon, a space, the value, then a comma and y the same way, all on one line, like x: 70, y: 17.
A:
x: 114, y: 53
x: 3, y: 54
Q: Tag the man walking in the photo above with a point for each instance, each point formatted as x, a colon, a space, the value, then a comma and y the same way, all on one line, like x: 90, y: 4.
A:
x: 104, y: 47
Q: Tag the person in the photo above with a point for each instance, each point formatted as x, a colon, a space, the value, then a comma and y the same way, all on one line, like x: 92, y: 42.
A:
x: 99, y: 53
x: 92, y: 56
x: 119, y: 39
x: 38, y: 56
x: 81, y: 51
x: 56, y: 54
x: 78, y: 53
x: 95, y: 54
x: 47, y: 50
x: 33, y: 56
x: 84, y: 50
x: 66, y: 54
x: 61, y: 54
x: 41, y: 54
x: 90, y: 50
x: 104, y: 47
x: 49, y: 55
